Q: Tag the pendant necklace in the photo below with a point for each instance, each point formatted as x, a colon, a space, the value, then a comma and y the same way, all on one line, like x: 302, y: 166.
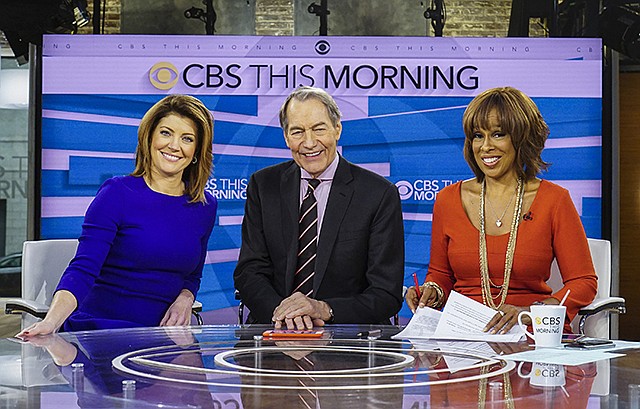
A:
x: 499, y: 219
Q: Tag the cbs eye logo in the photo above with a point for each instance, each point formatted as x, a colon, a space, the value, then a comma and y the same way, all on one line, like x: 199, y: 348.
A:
x: 163, y: 75
x: 322, y: 47
x: 538, y: 321
x: 538, y: 372
x: 405, y: 189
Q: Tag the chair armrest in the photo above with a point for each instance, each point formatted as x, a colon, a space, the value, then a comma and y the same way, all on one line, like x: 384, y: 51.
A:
x: 613, y: 304
x: 616, y: 304
x: 238, y: 297
x: 19, y: 305
x: 196, y: 309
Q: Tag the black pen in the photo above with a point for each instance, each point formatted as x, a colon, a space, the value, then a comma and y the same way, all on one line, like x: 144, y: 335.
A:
x: 374, y: 333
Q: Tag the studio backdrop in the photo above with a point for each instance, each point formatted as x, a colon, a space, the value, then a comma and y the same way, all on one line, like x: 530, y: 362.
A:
x: 402, y: 100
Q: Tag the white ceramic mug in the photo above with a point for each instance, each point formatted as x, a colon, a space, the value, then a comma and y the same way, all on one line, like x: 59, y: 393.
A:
x: 548, y: 322
x: 544, y: 375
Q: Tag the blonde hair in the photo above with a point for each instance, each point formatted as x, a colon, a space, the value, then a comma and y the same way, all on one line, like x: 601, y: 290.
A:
x: 519, y: 117
x: 196, y: 174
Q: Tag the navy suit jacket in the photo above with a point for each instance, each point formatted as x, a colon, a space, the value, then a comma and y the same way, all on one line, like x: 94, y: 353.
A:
x: 360, y: 257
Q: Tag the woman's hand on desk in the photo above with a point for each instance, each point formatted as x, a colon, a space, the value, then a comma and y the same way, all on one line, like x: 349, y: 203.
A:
x: 39, y: 328
x: 179, y: 313
x: 505, y: 319
x: 62, y: 305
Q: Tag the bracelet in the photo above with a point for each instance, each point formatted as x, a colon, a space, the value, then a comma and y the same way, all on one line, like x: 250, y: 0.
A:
x: 439, y: 292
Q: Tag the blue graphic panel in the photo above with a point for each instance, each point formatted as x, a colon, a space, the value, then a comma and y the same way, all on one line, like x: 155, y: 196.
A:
x: 420, y: 139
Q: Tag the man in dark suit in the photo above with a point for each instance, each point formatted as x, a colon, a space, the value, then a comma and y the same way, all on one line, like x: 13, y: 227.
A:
x: 360, y: 249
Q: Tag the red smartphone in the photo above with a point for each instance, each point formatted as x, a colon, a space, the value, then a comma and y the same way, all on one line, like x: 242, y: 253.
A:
x: 293, y: 333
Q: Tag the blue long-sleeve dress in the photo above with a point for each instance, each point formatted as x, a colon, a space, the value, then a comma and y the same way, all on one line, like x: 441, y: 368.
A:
x: 138, y: 250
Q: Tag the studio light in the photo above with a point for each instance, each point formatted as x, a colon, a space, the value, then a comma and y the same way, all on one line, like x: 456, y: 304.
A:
x: 25, y: 21
x: 620, y: 30
x: 207, y: 15
x: 437, y: 13
x: 70, y: 16
x: 322, y: 11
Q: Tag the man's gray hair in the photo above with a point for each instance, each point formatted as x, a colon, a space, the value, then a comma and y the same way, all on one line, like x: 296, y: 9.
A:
x: 304, y: 93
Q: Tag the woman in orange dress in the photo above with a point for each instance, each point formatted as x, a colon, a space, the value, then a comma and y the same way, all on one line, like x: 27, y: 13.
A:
x: 495, y: 236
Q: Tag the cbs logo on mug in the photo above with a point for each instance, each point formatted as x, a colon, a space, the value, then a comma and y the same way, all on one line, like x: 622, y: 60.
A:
x: 553, y: 321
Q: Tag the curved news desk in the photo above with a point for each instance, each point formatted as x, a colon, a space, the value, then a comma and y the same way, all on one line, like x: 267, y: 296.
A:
x: 231, y: 367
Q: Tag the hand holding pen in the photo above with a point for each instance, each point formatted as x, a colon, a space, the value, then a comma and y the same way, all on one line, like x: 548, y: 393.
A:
x: 421, y: 296
x: 417, y: 285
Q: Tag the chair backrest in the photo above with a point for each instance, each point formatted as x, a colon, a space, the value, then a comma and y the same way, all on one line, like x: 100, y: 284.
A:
x: 43, y: 263
x: 601, y: 257
x: 597, y: 326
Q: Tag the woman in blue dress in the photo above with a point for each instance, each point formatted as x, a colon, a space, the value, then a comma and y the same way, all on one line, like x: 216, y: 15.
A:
x: 144, y: 237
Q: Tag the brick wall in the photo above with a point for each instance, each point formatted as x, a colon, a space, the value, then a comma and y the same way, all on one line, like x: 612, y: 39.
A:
x: 274, y: 17
x: 477, y: 18
x: 111, y: 15
x: 489, y: 18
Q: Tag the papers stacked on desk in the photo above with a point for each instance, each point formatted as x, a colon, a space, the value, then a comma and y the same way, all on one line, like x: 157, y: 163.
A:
x: 461, y: 319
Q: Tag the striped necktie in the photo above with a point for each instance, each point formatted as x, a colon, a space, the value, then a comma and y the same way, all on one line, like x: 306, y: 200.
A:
x: 307, y: 241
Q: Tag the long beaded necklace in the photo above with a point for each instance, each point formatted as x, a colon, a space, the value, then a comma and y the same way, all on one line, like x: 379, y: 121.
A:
x: 486, y: 282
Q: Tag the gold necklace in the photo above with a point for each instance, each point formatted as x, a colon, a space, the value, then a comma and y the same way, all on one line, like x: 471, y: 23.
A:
x: 486, y: 283
x: 499, y: 219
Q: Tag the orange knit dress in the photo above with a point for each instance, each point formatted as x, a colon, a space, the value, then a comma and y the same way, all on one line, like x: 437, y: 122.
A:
x: 553, y: 230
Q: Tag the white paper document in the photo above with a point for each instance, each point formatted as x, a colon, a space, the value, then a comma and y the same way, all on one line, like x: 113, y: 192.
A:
x: 571, y: 356
x: 461, y: 319
x: 423, y: 324
x: 561, y: 356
